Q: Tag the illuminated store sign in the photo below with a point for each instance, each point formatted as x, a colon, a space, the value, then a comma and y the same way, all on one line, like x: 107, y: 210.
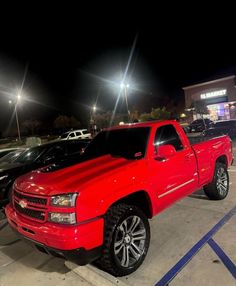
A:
x: 213, y: 94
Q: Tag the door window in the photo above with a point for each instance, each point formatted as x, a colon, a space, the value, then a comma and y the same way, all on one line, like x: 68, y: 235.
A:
x: 72, y: 135
x: 167, y: 135
x: 53, y: 153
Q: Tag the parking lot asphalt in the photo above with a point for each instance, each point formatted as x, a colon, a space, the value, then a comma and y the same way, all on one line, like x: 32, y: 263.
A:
x: 175, y: 232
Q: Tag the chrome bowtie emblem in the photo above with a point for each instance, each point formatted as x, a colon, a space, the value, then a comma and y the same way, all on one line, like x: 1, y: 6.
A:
x: 23, y: 204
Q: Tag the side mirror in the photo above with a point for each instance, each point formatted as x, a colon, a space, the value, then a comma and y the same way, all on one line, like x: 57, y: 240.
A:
x: 164, y: 152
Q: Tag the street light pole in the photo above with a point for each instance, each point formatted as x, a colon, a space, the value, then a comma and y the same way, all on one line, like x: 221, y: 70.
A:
x: 125, y: 87
x: 92, y: 119
x: 17, y: 120
x: 94, y: 122
x: 126, y: 99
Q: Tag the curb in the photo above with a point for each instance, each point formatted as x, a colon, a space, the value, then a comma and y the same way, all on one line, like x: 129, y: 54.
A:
x: 93, y: 275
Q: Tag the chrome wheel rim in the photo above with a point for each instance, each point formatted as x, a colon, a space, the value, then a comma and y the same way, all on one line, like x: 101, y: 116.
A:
x: 129, y: 244
x: 222, y: 181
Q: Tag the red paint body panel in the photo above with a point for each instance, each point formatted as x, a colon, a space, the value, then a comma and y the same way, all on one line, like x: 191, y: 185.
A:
x: 207, y: 154
x: 103, y: 181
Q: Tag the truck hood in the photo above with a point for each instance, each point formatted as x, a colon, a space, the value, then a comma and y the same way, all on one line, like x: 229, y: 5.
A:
x: 53, y: 180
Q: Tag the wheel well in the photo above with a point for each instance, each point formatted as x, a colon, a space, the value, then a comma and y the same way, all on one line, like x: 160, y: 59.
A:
x: 139, y: 199
x: 222, y: 159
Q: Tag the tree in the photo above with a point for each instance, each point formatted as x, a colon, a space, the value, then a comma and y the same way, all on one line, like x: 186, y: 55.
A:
x: 200, y: 107
x: 145, y: 117
x: 134, y: 116
x: 160, y: 113
x: 64, y: 122
x: 103, y: 120
x: 74, y: 123
x: 31, y: 125
x: 155, y: 114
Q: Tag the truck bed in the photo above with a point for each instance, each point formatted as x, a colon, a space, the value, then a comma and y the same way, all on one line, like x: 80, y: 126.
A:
x: 200, y: 138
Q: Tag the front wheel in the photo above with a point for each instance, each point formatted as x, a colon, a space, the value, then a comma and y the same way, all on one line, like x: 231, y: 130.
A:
x: 126, y: 240
x: 219, y: 187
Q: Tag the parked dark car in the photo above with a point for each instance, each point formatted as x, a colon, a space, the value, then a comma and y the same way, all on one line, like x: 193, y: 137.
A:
x: 185, y: 128
x: 224, y: 127
x: 5, y: 151
x: 199, y: 125
x: 34, y: 158
x: 10, y: 157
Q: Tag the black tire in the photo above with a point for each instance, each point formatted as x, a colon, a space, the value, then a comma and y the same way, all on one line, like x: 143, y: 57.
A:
x: 219, y: 187
x: 118, y: 229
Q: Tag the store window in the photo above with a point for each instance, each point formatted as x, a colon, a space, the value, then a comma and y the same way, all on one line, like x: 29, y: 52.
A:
x: 219, y: 111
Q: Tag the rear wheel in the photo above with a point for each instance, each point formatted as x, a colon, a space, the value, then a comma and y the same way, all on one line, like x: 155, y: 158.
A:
x: 126, y: 240
x: 219, y: 187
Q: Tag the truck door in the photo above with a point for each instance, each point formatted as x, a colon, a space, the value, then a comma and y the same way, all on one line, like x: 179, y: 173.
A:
x: 176, y: 176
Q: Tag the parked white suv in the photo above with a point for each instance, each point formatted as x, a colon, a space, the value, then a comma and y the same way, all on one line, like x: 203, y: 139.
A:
x: 76, y: 134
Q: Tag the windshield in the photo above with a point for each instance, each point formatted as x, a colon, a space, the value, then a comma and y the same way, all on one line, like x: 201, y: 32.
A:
x: 29, y: 155
x: 129, y: 143
x: 10, y: 157
x: 64, y: 136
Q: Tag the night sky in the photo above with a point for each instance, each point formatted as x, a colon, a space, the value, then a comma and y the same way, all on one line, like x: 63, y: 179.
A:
x: 71, y: 58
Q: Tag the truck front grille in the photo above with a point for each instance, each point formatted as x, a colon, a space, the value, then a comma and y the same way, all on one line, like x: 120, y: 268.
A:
x: 31, y: 206
x: 39, y: 215
x: 35, y: 200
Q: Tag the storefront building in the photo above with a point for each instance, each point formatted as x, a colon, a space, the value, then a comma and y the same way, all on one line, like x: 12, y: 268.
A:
x: 218, y: 95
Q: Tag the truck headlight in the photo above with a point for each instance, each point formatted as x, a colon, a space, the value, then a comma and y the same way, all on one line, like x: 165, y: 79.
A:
x: 63, y: 218
x: 67, y: 200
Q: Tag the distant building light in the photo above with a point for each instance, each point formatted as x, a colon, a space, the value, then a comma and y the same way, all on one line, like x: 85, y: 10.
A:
x: 213, y: 94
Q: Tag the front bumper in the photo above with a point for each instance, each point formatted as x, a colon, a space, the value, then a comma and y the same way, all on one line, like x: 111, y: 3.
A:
x: 79, y: 243
x: 81, y: 256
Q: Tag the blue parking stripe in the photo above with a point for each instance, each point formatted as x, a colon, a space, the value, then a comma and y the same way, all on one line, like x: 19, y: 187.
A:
x: 190, y: 254
x: 223, y: 257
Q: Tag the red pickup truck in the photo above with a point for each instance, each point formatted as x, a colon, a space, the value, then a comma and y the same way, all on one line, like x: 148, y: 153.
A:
x: 97, y: 207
